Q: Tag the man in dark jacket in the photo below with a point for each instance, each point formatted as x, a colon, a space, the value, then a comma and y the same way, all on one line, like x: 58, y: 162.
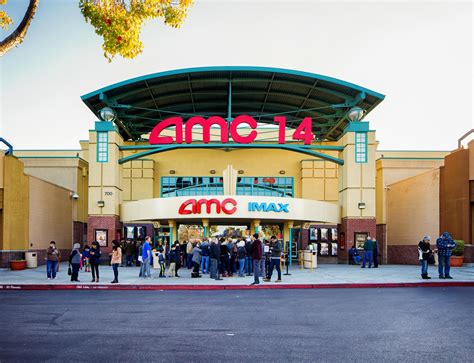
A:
x: 248, y: 258
x: 275, y: 252
x: 256, y: 256
x: 214, y: 255
x: 368, y: 252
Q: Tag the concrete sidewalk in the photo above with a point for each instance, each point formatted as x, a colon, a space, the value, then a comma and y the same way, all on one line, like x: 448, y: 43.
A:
x: 323, y: 276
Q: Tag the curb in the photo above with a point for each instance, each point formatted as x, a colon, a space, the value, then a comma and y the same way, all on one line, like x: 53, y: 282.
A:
x: 82, y: 287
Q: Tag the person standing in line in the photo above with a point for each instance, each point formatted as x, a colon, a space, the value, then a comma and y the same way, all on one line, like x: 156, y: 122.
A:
x: 376, y: 253
x: 173, y: 258
x: 75, y: 261
x: 256, y: 256
x: 116, y: 259
x: 205, y: 256
x: 85, y: 259
x: 189, y: 255
x: 52, y: 260
x: 445, y: 245
x: 94, y: 259
x: 161, y: 261
x: 179, y: 258
x: 128, y: 253
x: 248, y: 259
x: 275, y: 251
x: 146, y: 256
x: 196, y: 260
x: 140, y: 259
x: 263, y: 267
x: 241, y: 255
x: 224, y: 265
x: 368, y: 252
x: 214, y: 255
x: 424, y: 254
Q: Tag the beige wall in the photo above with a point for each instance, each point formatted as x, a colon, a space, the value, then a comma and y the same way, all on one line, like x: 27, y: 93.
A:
x: 67, y: 172
x: 389, y: 171
x: 14, y: 210
x: 320, y: 180
x: 51, y: 213
x: 413, y: 209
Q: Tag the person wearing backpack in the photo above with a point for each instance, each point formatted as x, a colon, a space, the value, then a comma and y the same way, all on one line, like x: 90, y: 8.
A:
x: 241, y: 255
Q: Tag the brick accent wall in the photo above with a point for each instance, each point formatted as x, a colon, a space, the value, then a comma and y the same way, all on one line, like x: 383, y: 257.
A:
x: 111, y: 223
x: 469, y: 254
x: 403, y: 254
x: 382, y: 240
x: 78, y: 233
x: 349, y: 226
x: 6, y: 257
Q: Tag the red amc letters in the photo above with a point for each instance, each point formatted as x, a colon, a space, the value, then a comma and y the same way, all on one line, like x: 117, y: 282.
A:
x: 193, y: 206
x: 302, y: 132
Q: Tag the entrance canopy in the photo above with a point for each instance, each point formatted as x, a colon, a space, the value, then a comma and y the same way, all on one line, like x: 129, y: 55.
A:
x: 260, y: 92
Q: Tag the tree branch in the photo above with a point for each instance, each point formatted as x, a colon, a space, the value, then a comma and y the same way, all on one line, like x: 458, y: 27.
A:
x: 19, y: 34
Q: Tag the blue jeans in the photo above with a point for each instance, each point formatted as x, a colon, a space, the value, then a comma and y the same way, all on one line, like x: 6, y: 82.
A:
x: 146, y: 267
x: 356, y: 259
x: 213, y: 268
x: 424, y: 267
x: 368, y: 255
x: 129, y: 260
x: 256, y: 268
x: 248, y: 264
x: 261, y: 267
x: 444, y: 265
x: 115, y: 269
x: 241, y: 266
x: 51, y: 269
x: 205, y: 264
x: 274, y: 263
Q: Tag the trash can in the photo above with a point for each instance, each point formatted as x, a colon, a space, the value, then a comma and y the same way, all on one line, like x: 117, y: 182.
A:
x: 31, y: 259
x: 156, y: 261
x: 310, y: 259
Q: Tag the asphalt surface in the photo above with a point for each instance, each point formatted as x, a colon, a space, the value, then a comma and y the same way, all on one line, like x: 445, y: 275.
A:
x: 327, y: 325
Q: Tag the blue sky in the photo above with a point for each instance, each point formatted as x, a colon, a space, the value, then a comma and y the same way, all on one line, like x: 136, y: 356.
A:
x: 419, y: 54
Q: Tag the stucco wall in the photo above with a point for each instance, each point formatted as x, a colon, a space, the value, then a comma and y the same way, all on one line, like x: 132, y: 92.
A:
x: 413, y: 209
x: 51, y: 211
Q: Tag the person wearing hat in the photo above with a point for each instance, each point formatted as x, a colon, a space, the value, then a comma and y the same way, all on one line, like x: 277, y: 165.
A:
x: 445, y: 245
x: 74, y: 261
x: 424, y: 253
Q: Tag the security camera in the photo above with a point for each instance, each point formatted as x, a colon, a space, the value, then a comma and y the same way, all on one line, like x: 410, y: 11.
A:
x: 75, y: 196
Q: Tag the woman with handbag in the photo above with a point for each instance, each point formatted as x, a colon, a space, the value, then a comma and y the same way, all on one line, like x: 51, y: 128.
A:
x: 74, y: 262
x: 424, y: 254
x: 94, y: 259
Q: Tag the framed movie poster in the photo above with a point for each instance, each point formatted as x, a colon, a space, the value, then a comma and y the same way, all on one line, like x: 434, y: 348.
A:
x: 130, y: 232
x: 359, y: 239
x: 101, y: 237
x: 324, y: 234
x: 333, y: 234
x: 313, y: 234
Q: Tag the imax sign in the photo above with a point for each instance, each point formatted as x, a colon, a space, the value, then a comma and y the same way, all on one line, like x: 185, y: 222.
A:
x: 268, y: 207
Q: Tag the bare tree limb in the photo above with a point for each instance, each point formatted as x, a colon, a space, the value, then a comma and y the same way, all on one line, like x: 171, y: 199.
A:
x: 19, y: 34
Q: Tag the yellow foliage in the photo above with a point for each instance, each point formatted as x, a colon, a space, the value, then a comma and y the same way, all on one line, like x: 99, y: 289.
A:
x: 5, y: 20
x: 120, y: 22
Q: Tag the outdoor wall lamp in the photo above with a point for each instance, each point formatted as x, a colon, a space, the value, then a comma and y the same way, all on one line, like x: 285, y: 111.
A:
x: 212, y: 171
x: 172, y: 171
x: 282, y: 172
x: 107, y: 114
x: 100, y: 203
x: 355, y: 113
x: 240, y: 172
x: 361, y: 205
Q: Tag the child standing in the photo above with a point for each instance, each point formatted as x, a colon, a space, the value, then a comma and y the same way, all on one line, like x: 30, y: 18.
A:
x: 85, y: 259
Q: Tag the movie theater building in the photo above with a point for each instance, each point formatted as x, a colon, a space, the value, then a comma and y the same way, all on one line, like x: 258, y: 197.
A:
x: 232, y: 151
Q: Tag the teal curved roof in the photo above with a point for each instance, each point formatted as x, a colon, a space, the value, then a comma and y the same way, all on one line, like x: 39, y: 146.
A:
x: 229, y: 91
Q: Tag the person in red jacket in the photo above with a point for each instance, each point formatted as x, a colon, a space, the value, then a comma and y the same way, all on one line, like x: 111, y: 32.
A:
x: 256, y: 251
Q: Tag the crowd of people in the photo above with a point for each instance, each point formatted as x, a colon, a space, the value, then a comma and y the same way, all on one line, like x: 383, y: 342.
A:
x: 222, y: 257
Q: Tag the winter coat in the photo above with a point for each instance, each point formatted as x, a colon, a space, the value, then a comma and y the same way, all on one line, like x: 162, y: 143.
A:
x: 257, y: 249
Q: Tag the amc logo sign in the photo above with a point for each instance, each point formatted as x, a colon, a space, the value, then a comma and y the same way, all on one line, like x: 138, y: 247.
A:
x: 194, y: 206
